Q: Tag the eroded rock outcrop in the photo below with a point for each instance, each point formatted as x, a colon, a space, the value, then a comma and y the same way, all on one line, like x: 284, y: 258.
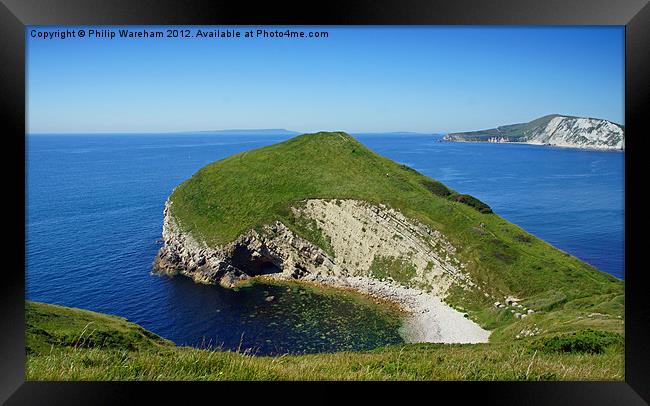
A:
x: 275, y: 246
x: 365, y: 243
x: 359, y: 234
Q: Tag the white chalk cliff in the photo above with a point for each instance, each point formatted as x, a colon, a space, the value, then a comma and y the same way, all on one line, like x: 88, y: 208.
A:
x: 554, y: 130
x: 579, y: 133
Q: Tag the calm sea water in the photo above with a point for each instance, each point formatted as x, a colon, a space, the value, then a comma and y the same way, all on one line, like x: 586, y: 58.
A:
x: 94, y: 218
x: 571, y: 198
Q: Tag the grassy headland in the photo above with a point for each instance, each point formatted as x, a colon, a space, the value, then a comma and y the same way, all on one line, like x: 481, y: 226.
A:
x: 253, y: 188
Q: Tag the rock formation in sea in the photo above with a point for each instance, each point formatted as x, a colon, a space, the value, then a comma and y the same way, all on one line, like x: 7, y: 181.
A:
x: 323, y: 208
x: 359, y: 234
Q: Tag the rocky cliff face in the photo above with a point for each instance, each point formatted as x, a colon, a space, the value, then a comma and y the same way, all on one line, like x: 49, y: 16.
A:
x: 578, y: 132
x: 556, y: 130
x: 252, y: 254
x: 360, y: 234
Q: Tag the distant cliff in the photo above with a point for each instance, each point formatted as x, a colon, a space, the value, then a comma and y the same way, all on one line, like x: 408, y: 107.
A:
x: 556, y: 130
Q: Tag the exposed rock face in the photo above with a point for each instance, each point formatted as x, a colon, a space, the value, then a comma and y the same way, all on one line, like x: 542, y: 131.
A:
x: 249, y: 255
x: 357, y: 231
x: 555, y: 130
x: 579, y: 132
x: 360, y: 233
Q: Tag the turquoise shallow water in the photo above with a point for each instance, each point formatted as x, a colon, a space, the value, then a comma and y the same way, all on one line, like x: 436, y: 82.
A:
x: 94, y: 219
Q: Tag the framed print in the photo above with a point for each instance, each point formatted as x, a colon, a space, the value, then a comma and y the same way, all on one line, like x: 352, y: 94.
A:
x: 220, y: 195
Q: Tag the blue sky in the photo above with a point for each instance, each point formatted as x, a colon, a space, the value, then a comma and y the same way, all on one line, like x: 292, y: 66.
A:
x: 423, y: 79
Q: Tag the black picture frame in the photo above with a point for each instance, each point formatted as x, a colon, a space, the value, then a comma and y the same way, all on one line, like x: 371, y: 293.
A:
x: 16, y: 14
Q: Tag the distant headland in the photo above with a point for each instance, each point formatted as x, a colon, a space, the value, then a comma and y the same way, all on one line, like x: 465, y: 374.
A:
x: 554, y: 130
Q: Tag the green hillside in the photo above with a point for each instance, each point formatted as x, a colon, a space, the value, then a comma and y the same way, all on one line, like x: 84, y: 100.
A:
x: 247, y: 190
x: 73, y: 344
x: 50, y: 325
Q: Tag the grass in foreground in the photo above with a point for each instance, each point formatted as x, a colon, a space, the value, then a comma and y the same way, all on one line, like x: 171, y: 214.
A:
x: 57, y: 350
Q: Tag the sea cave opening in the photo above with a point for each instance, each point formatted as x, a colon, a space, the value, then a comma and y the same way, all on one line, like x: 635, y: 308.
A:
x: 268, y: 267
x: 254, y: 265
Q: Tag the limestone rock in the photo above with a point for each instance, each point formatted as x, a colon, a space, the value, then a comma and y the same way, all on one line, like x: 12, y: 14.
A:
x: 358, y: 232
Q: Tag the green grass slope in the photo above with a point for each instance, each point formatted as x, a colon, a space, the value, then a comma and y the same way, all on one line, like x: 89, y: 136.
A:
x: 48, y: 326
x: 72, y: 344
x: 247, y: 190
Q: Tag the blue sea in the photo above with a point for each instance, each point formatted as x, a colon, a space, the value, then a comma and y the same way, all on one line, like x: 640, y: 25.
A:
x: 94, y: 216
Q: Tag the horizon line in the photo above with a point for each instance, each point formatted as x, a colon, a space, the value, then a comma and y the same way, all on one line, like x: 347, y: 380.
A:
x: 288, y: 132
x: 434, y: 132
